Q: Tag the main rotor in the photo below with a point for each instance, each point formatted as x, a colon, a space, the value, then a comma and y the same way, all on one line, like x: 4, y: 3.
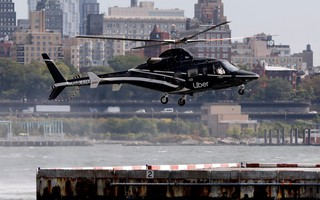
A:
x: 183, y: 40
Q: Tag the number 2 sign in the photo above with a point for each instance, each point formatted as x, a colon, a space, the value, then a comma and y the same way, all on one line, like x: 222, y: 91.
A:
x: 150, y: 174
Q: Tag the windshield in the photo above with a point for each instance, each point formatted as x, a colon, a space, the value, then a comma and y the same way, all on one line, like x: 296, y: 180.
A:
x: 229, y: 66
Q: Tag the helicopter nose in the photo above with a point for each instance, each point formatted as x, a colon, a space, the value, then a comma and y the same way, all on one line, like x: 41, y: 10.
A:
x: 255, y: 76
x: 247, y: 76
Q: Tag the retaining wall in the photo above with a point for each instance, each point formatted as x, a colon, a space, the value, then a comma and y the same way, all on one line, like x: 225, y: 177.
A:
x: 203, y: 181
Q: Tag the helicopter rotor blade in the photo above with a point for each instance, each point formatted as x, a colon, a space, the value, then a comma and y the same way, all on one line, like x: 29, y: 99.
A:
x: 116, y: 38
x: 212, y: 27
x: 234, y: 38
x: 153, y: 45
x: 161, y: 42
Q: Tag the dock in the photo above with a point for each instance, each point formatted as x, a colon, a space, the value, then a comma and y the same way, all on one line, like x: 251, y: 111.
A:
x: 193, y: 181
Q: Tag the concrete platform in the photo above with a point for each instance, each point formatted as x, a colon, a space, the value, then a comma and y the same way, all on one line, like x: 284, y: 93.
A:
x: 196, y: 181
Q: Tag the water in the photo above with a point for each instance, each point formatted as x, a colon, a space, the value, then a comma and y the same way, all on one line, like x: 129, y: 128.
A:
x: 18, y: 165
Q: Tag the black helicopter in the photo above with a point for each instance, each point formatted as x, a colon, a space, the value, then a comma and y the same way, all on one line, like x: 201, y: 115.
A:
x: 175, y: 71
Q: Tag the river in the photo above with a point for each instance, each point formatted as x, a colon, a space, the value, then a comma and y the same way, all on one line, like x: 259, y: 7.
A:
x: 18, y: 165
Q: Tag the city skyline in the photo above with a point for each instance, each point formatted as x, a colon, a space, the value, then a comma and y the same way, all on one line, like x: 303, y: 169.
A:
x: 294, y: 22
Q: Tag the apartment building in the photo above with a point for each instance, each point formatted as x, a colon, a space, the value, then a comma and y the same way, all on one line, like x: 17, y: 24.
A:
x: 84, y: 53
x: 30, y: 44
x: 262, y: 48
x: 139, y: 21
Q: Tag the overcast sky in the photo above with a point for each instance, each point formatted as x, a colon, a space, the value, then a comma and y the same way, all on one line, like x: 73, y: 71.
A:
x: 295, y: 22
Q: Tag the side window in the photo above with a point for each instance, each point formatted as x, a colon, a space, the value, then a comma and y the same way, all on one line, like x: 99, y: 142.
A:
x: 192, y: 72
x: 218, y: 68
x: 177, y: 74
x: 204, y: 71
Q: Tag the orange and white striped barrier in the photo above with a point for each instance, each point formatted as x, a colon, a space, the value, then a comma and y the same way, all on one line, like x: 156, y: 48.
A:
x: 159, y: 167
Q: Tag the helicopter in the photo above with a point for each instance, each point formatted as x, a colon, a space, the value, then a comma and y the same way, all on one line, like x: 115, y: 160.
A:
x: 174, y: 71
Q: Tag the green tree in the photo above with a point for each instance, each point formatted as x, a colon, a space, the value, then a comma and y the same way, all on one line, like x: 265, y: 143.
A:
x: 305, y: 93
x: 278, y: 89
x: 234, y: 132
x: 311, y: 85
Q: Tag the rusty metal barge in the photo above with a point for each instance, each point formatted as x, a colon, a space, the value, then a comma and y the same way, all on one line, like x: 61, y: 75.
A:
x: 196, y: 181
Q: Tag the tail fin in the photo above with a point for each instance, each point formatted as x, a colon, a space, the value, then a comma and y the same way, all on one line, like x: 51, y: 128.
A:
x: 56, y: 75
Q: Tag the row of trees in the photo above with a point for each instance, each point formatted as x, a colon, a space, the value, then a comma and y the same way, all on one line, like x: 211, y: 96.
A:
x: 33, y: 81
x: 137, y: 128
x: 156, y: 130
x: 162, y: 130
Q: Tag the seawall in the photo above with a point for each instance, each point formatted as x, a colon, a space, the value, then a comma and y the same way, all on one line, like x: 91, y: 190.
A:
x: 39, y: 143
x: 196, y: 181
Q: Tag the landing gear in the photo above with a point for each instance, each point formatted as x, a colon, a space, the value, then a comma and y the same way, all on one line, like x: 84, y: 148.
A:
x: 182, y: 101
x: 241, y: 90
x: 164, y: 99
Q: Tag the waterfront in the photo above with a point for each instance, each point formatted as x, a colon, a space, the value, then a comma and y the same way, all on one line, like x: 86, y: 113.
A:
x: 19, y: 164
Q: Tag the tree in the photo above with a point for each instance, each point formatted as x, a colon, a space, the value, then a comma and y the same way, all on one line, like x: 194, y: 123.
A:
x: 305, y: 93
x: 278, y: 89
x: 312, y: 88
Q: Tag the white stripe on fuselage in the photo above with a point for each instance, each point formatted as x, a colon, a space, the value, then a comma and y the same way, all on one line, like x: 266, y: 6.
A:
x: 115, y: 79
x: 152, y: 73
x: 147, y: 80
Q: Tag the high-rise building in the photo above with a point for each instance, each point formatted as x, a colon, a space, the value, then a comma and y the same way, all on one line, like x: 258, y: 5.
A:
x: 7, y: 19
x: 210, y: 11
x: 53, y: 14
x: 87, y: 7
x: 70, y: 12
x: 134, y: 3
x: 94, y: 24
x: 71, y: 17
x: 32, y: 5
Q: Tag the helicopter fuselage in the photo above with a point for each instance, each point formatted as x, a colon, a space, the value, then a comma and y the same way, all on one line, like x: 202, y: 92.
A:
x: 175, y: 71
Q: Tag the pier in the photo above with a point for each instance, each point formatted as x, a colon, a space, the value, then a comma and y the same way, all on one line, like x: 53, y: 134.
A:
x: 195, y: 181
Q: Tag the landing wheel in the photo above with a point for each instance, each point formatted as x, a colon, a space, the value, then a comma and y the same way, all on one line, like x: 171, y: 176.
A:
x: 164, y: 100
x: 182, y: 101
x: 241, y: 91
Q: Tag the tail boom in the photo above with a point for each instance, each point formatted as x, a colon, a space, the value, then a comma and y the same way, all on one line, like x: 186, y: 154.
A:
x: 60, y: 81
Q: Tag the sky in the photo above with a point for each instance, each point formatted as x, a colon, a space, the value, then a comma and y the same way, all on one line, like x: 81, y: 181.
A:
x: 295, y: 22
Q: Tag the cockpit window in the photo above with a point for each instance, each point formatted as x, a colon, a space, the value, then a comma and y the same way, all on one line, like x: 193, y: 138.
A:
x: 230, y: 67
x: 218, y: 68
